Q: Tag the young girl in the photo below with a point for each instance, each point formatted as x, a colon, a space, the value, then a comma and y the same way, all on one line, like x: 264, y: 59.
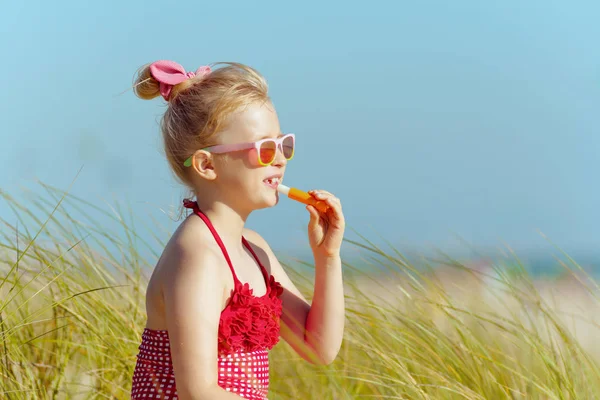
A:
x: 218, y: 299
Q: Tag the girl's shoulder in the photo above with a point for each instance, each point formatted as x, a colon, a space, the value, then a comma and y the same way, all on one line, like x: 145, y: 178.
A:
x: 188, y: 265
x: 191, y: 253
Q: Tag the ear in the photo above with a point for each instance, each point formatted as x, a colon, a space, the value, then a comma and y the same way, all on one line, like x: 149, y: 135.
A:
x: 202, y: 163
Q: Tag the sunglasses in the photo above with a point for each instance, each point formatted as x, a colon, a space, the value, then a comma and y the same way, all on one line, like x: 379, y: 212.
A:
x: 266, y: 149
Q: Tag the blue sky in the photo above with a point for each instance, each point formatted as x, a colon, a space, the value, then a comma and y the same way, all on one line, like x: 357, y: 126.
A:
x: 427, y: 119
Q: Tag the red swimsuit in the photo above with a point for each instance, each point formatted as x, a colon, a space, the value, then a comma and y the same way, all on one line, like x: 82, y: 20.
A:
x: 248, y: 328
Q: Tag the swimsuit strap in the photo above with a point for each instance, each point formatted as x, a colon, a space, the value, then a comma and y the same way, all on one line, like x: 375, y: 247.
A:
x: 194, y: 205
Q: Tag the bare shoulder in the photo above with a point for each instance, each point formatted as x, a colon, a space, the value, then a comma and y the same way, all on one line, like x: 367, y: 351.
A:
x: 191, y: 261
x: 191, y: 250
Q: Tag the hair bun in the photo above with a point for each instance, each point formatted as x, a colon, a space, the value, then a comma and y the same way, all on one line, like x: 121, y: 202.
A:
x: 145, y: 86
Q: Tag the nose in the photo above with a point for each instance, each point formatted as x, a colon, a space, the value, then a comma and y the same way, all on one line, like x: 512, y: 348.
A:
x: 280, y: 160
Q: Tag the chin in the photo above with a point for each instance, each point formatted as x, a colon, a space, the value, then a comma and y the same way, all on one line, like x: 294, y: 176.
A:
x: 269, y: 201
x: 259, y: 198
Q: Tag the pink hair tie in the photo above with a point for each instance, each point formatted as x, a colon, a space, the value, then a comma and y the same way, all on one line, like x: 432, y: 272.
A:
x: 169, y: 74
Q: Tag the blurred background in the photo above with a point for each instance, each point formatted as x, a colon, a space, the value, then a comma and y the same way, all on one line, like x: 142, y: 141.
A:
x: 439, y: 124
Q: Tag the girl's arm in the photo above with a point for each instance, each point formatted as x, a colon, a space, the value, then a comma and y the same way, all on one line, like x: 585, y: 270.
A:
x: 192, y: 298
x: 315, y: 331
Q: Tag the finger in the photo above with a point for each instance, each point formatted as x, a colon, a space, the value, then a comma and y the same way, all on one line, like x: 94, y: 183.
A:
x: 334, y: 212
x: 334, y: 200
x: 314, y: 216
x: 320, y: 192
x: 322, y: 195
x: 329, y: 199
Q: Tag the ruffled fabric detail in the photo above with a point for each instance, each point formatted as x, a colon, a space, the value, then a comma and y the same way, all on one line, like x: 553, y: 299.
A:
x: 248, y: 322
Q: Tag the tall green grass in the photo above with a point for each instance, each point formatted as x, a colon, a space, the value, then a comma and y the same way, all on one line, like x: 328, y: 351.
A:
x: 72, y: 312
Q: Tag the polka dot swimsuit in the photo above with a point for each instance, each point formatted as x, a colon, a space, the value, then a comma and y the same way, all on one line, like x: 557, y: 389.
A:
x: 248, y: 329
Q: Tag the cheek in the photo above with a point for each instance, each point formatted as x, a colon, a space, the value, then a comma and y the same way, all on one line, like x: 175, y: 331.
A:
x: 252, y: 159
x: 248, y: 159
x: 238, y: 172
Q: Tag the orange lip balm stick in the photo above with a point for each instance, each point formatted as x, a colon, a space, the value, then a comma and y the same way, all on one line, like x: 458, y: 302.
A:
x: 302, y: 197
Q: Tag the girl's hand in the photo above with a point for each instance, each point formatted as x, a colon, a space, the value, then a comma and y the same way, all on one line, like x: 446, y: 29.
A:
x: 326, y: 230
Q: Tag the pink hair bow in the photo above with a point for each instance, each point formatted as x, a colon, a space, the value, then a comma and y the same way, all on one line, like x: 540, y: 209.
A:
x: 169, y: 74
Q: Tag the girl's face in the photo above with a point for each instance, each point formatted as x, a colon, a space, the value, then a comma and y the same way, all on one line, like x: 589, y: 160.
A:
x: 240, y: 177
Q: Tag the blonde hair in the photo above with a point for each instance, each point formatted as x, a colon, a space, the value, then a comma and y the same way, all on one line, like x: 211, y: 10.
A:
x: 198, y: 108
